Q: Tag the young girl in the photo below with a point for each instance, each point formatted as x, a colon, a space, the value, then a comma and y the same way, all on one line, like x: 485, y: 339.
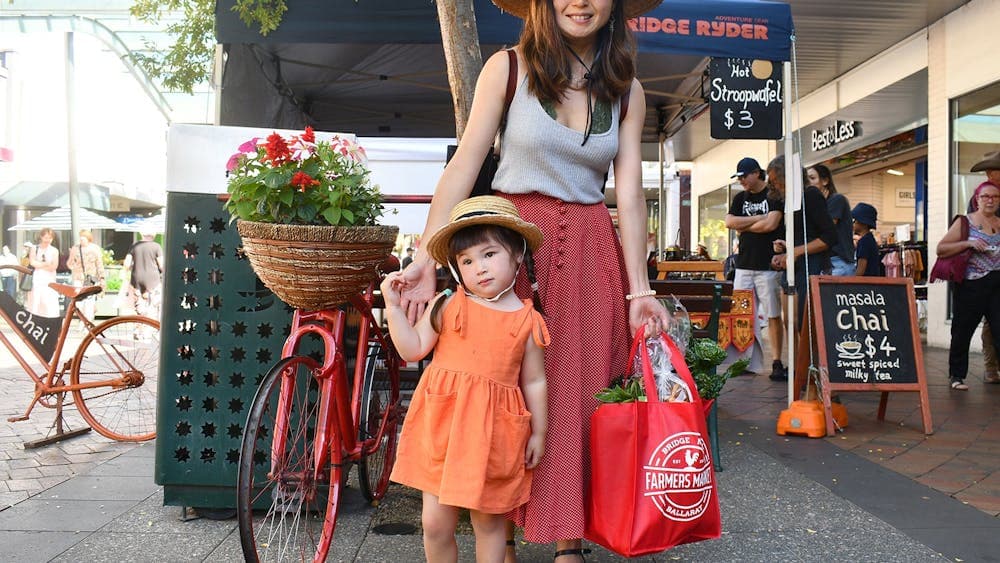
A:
x: 477, y: 421
x: 866, y: 256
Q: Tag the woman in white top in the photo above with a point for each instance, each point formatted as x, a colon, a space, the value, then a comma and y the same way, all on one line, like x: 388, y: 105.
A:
x: 44, y: 257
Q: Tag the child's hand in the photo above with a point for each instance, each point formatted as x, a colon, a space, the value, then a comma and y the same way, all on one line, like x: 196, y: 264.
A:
x: 533, y: 453
x: 391, y: 287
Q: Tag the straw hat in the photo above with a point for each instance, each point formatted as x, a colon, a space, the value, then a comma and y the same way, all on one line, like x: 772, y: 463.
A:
x: 990, y: 161
x: 519, y: 8
x: 481, y: 210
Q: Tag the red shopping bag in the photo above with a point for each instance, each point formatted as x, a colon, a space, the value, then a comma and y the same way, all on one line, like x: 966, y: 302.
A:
x: 652, y: 485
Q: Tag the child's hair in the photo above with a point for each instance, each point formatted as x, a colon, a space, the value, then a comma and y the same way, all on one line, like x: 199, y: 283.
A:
x: 478, y: 234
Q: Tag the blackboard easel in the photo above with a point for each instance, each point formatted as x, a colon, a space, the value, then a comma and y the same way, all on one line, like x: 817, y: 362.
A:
x: 868, y: 340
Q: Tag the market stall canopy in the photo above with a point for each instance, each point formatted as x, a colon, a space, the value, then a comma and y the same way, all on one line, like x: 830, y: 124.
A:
x: 102, y: 197
x: 58, y: 220
x: 145, y: 225
x: 377, y: 68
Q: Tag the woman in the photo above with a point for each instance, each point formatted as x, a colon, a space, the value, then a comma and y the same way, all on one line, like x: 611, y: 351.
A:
x: 576, y: 59
x: 979, y: 294
x: 86, y: 264
x: 842, y: 253
x: 44, y: 257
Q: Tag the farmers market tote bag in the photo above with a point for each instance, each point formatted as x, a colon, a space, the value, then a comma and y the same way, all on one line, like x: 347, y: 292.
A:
x: 652, y: 485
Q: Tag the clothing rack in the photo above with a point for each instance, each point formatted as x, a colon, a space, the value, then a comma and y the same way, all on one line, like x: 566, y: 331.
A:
x: 905, y: 260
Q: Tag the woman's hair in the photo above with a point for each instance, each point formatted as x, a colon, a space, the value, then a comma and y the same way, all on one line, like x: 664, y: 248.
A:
x: 824, y: 174
x: 46, y: 231
x: 478, y: 234
x: 85, y: 233
x: 548, y: 57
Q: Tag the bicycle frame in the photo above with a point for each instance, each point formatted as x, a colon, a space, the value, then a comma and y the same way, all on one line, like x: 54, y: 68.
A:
x: 335, y: 417
x: 50, y: 382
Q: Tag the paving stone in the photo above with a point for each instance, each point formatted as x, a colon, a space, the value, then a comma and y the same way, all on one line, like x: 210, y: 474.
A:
x: 26, y: 473
x: 113, y: 547
x: 36, y: 546
x: 103, y: 487
x: 62, y: 515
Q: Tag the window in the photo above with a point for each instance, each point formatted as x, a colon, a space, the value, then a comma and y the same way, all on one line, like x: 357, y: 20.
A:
x: 975, y: 131
x: 712, y: 231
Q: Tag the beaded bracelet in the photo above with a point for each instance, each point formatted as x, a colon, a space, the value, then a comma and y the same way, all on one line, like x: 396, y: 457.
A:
x: 638, y: 294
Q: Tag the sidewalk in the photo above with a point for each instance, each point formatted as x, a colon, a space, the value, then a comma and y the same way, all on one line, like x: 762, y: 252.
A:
x: 863, y: 495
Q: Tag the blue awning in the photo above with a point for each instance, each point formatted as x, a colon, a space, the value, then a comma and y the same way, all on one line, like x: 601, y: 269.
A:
x: 717, y: 28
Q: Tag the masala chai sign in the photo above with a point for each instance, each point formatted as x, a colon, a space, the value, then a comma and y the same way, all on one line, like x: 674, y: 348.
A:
x: 868, y: 339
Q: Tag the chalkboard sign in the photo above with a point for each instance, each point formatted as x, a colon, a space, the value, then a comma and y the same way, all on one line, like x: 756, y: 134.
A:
x: 867, y: 337
x: 745, y: 99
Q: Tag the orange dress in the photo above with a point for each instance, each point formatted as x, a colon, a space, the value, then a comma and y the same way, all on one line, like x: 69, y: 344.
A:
x: 467, y: 427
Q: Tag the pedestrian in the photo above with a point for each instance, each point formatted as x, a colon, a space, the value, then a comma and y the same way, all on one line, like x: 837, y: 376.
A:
x: 86, y: 265
x: 487, y: 373
x: 145, y: 263
x: 837, y: 204
x: 9, y: 275
x: 866, y: 256
x: 408, y: 258
x: 979, y: 294
x: 564, y: 128
x: 810, y: 245
x: 991, y: 165
x: 756, y: 214
x: 44, y: 258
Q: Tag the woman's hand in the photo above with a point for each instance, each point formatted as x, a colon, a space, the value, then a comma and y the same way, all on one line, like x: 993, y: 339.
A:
x: 417, y: 284
x: 977, y: 244
x: 649, y: 312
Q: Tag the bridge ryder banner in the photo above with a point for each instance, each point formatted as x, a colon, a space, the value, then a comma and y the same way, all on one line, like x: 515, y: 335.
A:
x: 41, y: 333
x: 713, y: 28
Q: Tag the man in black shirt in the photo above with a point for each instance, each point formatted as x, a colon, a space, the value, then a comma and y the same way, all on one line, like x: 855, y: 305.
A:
x: 756, y: 215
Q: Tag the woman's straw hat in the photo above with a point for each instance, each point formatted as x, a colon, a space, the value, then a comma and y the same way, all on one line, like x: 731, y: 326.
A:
x: 519, y: 8
x: 481, y: 210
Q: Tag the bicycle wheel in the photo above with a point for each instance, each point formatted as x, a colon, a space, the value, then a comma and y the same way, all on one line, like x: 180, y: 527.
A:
x: 286, y: 511
x: 380, y: 410
x: 121, y: 358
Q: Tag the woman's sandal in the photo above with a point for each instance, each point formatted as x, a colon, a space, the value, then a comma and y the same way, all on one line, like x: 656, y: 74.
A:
x: 581, y: 551
x: 959, y: 385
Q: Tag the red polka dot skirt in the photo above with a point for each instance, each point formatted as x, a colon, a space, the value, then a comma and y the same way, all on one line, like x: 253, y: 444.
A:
x: 582, y: 282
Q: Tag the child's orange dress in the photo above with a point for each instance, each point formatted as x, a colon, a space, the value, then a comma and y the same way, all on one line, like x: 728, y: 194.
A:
x: 467, y: 427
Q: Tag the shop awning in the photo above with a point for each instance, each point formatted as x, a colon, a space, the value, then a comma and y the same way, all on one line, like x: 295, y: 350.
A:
x: 56, y: 194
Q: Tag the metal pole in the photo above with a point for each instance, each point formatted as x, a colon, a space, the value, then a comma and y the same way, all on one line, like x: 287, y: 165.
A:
x: 661, y: 227
x: 793, y: 185
x: 74, y: 196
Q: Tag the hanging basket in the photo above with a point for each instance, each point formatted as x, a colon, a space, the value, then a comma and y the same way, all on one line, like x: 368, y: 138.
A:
x: 315, y: 267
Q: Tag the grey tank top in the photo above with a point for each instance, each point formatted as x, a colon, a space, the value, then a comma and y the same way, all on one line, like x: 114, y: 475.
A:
x: 540, y: 155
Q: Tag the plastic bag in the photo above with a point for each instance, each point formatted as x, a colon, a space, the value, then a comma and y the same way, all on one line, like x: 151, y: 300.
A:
x: 669, y: 386
x: 679, y: 326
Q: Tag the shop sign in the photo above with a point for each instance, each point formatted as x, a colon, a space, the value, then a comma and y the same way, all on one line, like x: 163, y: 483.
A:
x: 745, y: 99
x: 906, y: 197
x: 840, y: 132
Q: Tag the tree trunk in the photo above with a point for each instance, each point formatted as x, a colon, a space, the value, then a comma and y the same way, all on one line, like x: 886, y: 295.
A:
x: 460, y: 39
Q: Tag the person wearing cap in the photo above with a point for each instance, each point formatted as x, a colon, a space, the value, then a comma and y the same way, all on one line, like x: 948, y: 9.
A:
x: 866, y: 256
x: 756, y: 215
x: 990, y: 164
x: 408, y: 258
x: 576, y: 63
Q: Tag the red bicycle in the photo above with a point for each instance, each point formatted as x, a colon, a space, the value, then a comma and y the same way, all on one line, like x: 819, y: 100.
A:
x: 308, y: 424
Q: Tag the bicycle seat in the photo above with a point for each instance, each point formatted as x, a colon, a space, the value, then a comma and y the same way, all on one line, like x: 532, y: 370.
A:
x: 70, y: 292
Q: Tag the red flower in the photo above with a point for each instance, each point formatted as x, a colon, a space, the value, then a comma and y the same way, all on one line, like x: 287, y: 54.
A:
x: 309, y: 136
x: 303, y: 180
x: 277, y: 149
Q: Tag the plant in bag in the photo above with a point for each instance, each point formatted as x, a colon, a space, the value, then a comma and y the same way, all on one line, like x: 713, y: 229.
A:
x: 703, y: 357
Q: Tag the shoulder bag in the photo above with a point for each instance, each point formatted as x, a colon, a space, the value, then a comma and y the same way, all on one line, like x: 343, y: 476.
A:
x: 952, y: 268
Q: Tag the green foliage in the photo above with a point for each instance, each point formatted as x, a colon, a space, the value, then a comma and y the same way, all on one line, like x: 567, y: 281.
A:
x: 107, y: 256
x: 302, y: 181
x: 622, y: 391
x: 112, y: 280
x: 188, y: 61
x: 703, y: 358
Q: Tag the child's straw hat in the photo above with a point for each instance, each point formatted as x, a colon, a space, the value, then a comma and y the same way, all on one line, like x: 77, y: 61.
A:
x: 481, y: 210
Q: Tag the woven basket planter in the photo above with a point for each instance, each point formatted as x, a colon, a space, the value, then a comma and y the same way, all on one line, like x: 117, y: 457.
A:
x: 315, y: 267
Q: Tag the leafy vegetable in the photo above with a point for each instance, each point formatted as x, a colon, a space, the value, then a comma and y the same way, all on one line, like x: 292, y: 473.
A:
x: 622, y: 391
x: 703, y: 358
